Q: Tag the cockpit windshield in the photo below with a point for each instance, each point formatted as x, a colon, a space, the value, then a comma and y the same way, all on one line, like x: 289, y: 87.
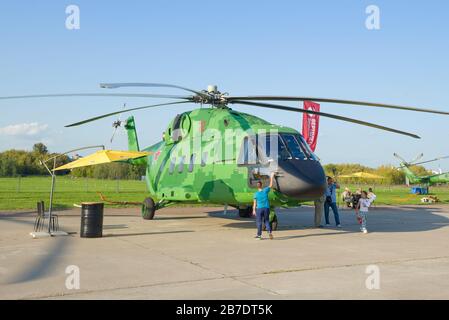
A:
x: 305, y: 147
x: 293, y: 146
x: 283, y: 146
x: 272, y: 147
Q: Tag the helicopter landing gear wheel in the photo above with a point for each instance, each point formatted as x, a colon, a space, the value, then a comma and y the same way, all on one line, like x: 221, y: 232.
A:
x: 148, y: 209
x: 246, y: 212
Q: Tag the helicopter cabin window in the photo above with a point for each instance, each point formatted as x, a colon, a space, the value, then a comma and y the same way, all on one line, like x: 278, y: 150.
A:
x: 192, y: 162
x: 181, y: 164
x: 293, y: 146
x: 164, y: 162
x: 248, y: 151
x: 204, y: 159
x: 172, y: 166
x: 176, y: 132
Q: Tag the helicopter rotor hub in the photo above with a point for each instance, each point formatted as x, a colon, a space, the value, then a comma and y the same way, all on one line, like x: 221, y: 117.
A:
x: 212, y: 97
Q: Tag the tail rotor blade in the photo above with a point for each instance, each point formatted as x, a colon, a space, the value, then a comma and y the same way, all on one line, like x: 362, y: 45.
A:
x: 118, y: 123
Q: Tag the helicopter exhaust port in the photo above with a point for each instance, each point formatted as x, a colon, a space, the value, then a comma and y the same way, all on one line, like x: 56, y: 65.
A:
x: 212, y: 88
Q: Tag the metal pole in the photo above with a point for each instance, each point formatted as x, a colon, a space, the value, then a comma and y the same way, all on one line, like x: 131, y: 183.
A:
x: 50, y: 208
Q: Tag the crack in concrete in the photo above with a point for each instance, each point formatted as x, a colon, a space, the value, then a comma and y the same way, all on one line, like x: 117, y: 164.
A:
x: 355, y: 265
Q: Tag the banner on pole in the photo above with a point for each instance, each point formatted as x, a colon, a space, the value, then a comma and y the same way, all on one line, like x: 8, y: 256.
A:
x: 310, y: 124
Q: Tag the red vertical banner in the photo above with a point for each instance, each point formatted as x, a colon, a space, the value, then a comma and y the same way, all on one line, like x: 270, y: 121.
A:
x: 310, y: 124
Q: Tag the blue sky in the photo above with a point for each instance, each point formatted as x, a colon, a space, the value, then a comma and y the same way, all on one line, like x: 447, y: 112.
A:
x: 319, y: 48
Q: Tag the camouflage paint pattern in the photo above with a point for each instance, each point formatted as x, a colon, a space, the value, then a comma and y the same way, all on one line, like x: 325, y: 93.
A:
x: 197, y: 161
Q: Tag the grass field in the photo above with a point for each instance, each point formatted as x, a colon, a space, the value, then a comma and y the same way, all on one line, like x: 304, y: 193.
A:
x: 23, y: 193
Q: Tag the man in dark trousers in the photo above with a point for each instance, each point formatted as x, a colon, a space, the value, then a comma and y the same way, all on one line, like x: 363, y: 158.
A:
x: 331, y: 201
x: 261, y: 208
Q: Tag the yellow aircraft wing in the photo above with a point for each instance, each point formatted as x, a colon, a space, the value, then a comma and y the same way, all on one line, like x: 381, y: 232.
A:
x: 103, y: 156
x: 362, y: 175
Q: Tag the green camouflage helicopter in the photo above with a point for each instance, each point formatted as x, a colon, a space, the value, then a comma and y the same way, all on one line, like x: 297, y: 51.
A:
x: 412, y: 178
x: 216, y: 155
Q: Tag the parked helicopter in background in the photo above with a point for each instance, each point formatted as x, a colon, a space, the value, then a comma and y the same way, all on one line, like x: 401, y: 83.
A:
x: 427, y: 180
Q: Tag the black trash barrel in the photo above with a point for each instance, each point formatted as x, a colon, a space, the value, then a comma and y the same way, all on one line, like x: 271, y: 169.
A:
x: 91, y: 220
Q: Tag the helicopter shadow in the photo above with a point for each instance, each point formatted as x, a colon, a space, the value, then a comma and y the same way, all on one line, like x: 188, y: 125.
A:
x: 381, y: 219
x: 250, y: 223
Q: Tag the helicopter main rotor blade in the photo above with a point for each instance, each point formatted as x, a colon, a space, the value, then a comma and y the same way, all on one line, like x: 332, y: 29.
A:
x: 149, y: 85
x: 127, y: 95
x: 400, y: 158
x: 122, y: 111
x: 417, y: 158
x: 433, y: 160
x: 339, y: 101
x: 328, y: 115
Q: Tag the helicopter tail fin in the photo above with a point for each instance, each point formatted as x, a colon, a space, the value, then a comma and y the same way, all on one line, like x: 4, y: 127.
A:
x: 410, y: 177
x: 133, y: 142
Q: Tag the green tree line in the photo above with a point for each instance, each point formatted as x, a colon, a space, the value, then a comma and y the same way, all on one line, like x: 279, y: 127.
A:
x: 27, y: 163
x: 391, y: 175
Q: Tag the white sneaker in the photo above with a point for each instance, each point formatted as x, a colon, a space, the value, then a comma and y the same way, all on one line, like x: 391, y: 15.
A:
x: 327, y: 225
x: 364, y: 231
x: 338, y: 225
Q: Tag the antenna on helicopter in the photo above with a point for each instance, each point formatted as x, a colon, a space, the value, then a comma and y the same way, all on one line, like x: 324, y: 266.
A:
x: 117, y: 124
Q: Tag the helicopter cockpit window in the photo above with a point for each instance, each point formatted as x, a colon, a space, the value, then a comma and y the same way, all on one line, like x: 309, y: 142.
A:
x: 293, y: 146
x: 272, y: 147
x: 305, y: 146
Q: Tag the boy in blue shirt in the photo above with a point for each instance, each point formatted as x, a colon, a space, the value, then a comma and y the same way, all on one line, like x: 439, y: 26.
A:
x: 261, y: 208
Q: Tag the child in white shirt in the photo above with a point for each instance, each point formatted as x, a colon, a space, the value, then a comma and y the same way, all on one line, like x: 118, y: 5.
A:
x: 361, y: 210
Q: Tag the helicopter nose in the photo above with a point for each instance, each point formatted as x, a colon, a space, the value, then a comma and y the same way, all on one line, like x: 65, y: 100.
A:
x: 301, y: 179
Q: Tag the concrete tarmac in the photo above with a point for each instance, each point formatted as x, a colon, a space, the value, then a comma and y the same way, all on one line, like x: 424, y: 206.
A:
x: 202, y: 253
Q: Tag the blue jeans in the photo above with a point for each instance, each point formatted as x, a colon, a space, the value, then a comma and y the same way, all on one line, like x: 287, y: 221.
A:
x: 261, y: 215
x: 332, y: 205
